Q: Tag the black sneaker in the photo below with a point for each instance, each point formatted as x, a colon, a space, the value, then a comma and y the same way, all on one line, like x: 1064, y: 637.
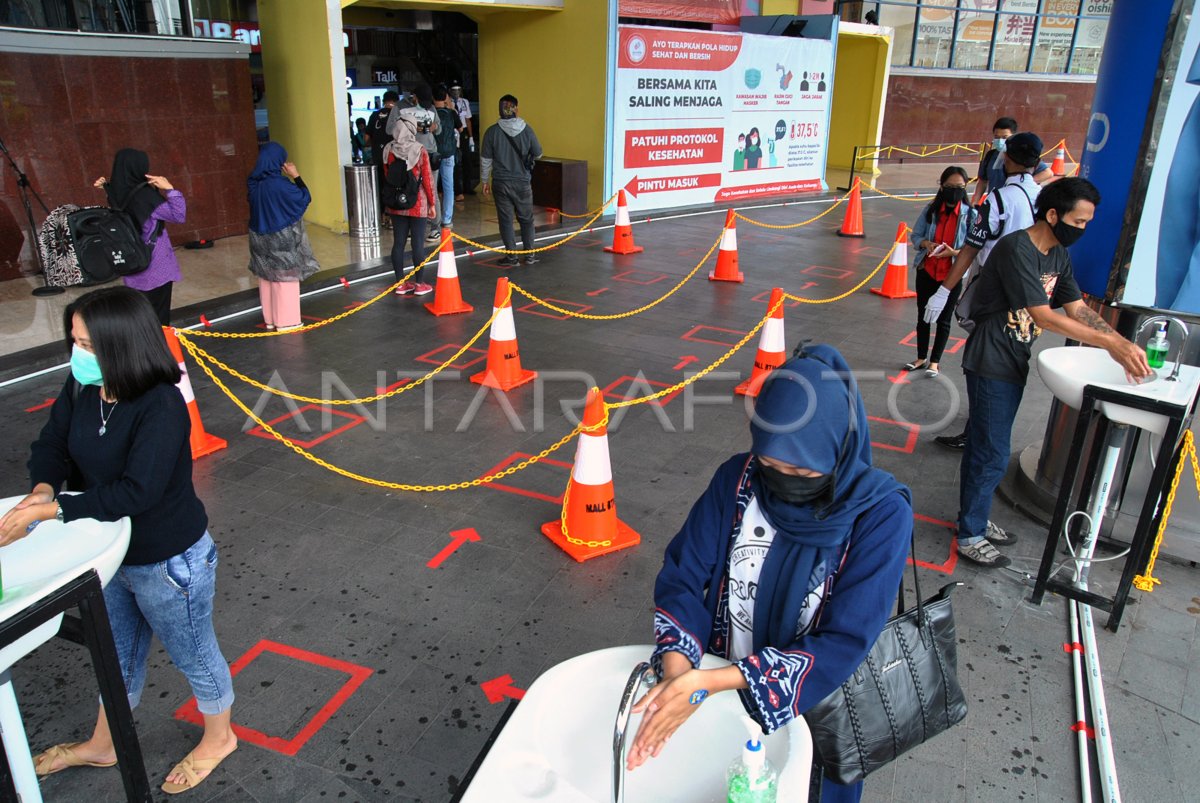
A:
x: 998, y: 536
x: 509, y: 261
x: 955, y: 442
x: 532, y: 259
x: 983, y: 554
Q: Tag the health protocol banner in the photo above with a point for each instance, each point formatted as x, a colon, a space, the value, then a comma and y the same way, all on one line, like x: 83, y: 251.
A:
x: 703, y: 117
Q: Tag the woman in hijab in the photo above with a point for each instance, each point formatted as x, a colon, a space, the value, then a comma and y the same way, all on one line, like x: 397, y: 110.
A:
x: 787, y: 566
x: 132, y: 188
x: 409, y: 224
x: 280, y: 253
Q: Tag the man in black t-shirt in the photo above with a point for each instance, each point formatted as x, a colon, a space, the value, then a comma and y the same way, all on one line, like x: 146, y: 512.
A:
x: 1026, y: 277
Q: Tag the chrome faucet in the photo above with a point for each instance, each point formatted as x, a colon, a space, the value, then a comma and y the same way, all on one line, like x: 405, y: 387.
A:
x: 642, y: 674
x: 1170, y: 319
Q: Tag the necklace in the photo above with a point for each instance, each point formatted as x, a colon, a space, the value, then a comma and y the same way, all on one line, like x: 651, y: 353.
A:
x: 104, y: 418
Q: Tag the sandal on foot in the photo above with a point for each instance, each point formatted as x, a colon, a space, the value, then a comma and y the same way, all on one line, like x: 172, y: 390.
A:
x: 43, y: 765
x: 915, y: 365
x: 191, y: 767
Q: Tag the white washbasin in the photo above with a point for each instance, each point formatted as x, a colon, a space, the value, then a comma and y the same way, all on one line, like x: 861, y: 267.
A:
x: 48, y: 558
x: 557, y: 746
x: 1067, y: 370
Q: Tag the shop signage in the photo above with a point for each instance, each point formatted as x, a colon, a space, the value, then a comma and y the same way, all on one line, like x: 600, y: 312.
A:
x: 245, y: 32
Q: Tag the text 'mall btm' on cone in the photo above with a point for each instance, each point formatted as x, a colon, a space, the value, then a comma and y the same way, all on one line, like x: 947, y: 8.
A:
x: 895, y: 281
x: 852, y: 224
x: 590, y: 503
x: 727, y: 257
x: 504, y: 369
x: 202, y: 442
x: 771, y: 347
x: 447, y: 296
x: 623, y: 230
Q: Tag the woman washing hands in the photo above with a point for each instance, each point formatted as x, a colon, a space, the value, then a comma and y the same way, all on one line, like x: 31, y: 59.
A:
x: 938, y: 235
x: 787, y: 566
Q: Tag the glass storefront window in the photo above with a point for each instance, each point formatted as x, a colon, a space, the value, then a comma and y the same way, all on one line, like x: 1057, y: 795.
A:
x: 900, y: 19
x: 935, y: 30
x: 973, y: 36
x: 1089, y: 39
x: 1012, y: 41
x: 157, y: 17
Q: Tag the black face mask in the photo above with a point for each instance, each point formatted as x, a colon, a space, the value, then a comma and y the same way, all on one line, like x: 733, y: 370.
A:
x: 952, y: 196
x: 1066, y: 234
x: 791, y: 488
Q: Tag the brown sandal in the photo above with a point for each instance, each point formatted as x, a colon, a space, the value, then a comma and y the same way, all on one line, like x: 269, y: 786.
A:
x: 191, y: 767
x: 66, y: 751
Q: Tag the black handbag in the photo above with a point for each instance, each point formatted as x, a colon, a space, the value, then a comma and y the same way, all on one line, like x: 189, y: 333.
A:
x: 903, y: 694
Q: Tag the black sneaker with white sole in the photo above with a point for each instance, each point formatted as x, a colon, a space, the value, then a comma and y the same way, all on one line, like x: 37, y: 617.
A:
x: 509, y: 262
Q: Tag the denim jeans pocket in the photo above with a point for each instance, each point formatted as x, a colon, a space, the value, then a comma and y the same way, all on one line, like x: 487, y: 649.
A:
x: 177, y: 572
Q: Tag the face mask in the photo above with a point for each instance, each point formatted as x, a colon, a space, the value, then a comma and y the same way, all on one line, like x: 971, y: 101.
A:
x: 1066, y: 234
x: 999, y: 144
x: 753, y: 140
x: 85, y: 368
x: 791, y: 488
x: 952, y: 196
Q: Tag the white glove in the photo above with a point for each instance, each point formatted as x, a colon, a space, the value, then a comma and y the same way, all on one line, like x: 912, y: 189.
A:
x: 935, y: 304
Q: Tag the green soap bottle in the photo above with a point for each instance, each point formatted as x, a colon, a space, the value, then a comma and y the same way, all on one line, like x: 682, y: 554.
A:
x: 1157, y: 348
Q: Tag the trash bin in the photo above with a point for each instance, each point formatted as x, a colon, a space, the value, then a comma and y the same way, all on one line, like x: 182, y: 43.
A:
x: 362, y: 201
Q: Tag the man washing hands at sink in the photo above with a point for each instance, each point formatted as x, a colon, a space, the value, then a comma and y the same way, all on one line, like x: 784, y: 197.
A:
x: 1027, y: 275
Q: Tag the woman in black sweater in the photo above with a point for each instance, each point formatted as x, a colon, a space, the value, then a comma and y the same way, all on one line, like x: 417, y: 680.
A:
x: 121, y: 422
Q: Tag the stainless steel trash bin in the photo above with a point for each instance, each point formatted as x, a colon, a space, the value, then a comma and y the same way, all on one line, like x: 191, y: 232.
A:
x: 362, y: 201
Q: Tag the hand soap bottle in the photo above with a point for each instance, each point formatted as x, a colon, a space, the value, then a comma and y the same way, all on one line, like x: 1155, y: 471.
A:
x: 751, y: 778
x: 1158, y: 347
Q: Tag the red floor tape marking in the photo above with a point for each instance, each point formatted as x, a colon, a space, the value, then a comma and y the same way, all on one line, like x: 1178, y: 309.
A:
x: 42, y: 406
x: 612, y: 393
x: 534, y: 308
x: 947, y: 566
x: 354, y: 421
x: 516, y: 457
x: 432, y: 358
x: 952, y: 345
x: 628, y: 276
x: 457, y: 539
x: 498, y: 689
x: 827, y: 273
x: 690, y: 335
x: 910, y: 442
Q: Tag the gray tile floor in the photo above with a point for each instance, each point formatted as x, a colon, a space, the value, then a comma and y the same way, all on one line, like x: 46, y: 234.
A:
x: 317, y: 563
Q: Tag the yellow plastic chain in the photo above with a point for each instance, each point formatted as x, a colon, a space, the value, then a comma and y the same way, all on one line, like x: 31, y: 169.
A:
x: 814, y: 219
x: 585, y: 214
x: 566, y: 239
x: 856, y: 287
x: 1146, y: 582
x: 200, y: 355
x: 954, y: 148
x: 617, y: 315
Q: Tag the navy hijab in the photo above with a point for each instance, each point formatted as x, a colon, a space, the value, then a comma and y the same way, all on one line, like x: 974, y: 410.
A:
x: 127, y: 188
x: 275, y: 202
x: 810, y: 414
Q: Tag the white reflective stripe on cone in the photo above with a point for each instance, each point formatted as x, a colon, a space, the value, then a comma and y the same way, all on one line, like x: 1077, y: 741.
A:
x: 503, y: 327
x: 446, y: 268
x: 622, y: 215
x: 900, y: 255
x: 591, y: 460
x: 773, y: 339
x: 729, y: 240
x: 185, y: 385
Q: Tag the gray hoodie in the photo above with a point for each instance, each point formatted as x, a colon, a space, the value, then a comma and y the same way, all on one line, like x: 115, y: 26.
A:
x: 505, y: 145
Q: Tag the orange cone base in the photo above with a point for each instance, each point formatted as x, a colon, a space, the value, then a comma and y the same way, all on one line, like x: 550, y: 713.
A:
x: 624, y: 248
x: 736, y: 277
x: 841, y: 233
x: 906, y: 293
x: 203, y: 443
x: 456, y: 309
x: 752, y: 385
x: 625, y: 538
x: 489, y: 380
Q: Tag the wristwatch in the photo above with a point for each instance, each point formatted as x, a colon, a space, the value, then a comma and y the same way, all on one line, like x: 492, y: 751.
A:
x: 58, y: 513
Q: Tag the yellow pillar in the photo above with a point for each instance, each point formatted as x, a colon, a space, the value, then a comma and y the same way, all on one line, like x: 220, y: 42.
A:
x: 304, y: 67
x: 555, y: 62
x: 772, y: 8
x: 859, y: 89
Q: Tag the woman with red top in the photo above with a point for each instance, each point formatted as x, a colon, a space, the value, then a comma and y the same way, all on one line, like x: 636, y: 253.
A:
x: 409, y: 224
x: 938, y: 235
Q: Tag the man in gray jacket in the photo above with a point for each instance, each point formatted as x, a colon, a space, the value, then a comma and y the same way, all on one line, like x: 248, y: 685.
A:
x: 506, y: 163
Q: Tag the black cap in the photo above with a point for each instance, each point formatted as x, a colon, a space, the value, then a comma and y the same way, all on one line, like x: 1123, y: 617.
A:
x: 1024, y: 148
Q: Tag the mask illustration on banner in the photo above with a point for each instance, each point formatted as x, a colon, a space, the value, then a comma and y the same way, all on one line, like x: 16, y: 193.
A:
x: 739, y: 156
x: 753, y: 78
x: 753, y: 150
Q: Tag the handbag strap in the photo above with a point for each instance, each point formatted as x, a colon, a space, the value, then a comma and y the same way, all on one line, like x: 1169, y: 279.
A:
x: 900, y: 607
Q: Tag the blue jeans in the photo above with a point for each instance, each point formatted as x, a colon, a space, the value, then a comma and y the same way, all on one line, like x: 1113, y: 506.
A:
x: 173, y: 600
x: 446, y: 177
x: 993, y: 408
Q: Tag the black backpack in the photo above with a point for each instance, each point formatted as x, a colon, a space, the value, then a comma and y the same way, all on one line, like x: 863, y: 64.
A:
x: 108, y: 241
x: 400, y: 187
x: 445, y: 134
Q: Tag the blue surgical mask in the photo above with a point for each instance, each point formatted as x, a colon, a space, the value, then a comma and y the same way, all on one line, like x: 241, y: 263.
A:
x: 85, y: 368
x: 999, y: 144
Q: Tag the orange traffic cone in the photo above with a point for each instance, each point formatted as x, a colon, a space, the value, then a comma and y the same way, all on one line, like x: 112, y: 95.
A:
x: 895, y: 281
x: 852, y: 225
x: 622, y: 231
x: 588, y: 526
x: 727, y: 263
x: 1059, y: 166
x: 771, y: 348
x: 504, y: 369
x: 447, y: 296
x: 202, y: 442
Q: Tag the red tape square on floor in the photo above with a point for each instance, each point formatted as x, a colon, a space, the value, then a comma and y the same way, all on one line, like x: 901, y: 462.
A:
x: 432, y: 358
x: 188, y: 712
x: 353, y: 421
x: 635, y: 276
x: 693, y: 335
x: 910, y: 440
x: 517, y: 457
x: 952, y: 345
x: 827, y: 273
x: 946, y: 566
x: 614, y: 390
x: 534, y: 308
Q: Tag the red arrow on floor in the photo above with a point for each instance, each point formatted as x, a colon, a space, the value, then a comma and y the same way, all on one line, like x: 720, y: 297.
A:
x: 598, y: 292
x: 808, y: 285
x: 457, y: 539
x: 42, y: 406
x: 683, y: 361
x: 901, y: 378
x: 497, y: 689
